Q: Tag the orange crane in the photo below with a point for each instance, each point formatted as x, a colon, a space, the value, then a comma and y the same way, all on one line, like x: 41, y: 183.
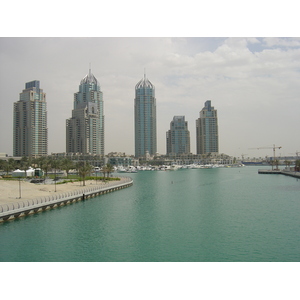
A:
x: 274, y: 147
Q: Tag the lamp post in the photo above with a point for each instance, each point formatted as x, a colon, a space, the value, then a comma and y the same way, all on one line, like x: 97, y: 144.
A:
x: 19, y: 187
x: 55, y: 173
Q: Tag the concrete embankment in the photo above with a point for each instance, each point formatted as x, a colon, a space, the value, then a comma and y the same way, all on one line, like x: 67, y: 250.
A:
x: 283, y: 172
x: 17, y: 209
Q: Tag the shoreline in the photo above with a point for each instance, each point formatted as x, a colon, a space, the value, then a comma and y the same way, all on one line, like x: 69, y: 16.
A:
x: 72, y: 193
x: 10, y: 190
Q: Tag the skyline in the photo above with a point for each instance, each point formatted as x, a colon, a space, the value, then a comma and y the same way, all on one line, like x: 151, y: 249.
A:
x: 252, y: 82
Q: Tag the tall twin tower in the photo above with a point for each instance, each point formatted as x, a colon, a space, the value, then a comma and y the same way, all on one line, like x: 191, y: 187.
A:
x: 85, y: 129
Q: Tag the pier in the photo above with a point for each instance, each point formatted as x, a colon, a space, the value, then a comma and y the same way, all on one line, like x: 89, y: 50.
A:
x: 18, y: 209
x: 283, y: 172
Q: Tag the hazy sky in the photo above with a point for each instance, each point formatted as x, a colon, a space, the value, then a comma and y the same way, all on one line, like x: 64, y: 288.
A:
x: 254, y: 83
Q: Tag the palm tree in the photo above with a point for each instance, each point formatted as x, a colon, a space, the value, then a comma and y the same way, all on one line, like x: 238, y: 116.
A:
x: 25, y: 163
x: 109, y: 169
x: 45, y: 165
x: 276, y: 162
x: 55, y: 163
x: 297, y: 165
x: 67, y: 165
x: 104, y: 170
x: 10, y: 165
x: 83, y: 170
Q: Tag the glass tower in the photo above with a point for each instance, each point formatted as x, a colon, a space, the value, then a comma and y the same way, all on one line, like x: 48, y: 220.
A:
x: 207, y: 130
x: 85, y: 130
x: 145, y: 118
x: 178, y: 137
x: 30, y: 122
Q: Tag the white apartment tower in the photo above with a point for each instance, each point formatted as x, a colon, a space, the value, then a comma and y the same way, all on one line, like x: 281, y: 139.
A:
x: 30, y: 132
x: 207, y: 130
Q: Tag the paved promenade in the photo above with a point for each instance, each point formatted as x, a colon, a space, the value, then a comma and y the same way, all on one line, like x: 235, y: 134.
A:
x: 36, y: 197
x: 10, y: 190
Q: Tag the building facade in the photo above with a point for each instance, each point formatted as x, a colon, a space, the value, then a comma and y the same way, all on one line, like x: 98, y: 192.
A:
x: 30, y: 132
x: 178, y: 137
x: 145, y: 118
x: 207, y: 135
x: 85, y: 129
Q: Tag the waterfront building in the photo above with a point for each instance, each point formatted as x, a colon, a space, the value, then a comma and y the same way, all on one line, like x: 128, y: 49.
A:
x: 85, y: 129
x: 178, y: 137
x: 207, y: 136
x: 30, y: 132
x: 145, y: 118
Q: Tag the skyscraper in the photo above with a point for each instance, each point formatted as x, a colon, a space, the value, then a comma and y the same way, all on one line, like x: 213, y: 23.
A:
x: 178, y: 137
x: 145, y: 118
x: 85, y: 130
x: 30, y: 122
x: 207, y: 130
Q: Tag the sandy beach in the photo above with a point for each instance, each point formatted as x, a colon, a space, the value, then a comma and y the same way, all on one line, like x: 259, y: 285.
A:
x: 9, y: 190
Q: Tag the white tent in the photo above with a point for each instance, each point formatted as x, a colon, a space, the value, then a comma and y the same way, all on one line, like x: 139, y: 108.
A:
x: 21, y: 173
x: 18, y: 173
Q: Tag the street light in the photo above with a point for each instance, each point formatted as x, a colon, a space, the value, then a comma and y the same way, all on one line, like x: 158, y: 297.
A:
x: 19, y: 187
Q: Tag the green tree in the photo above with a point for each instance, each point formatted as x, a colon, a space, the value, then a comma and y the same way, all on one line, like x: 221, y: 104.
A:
x: 10, y: 165
x: 109, y: 169
x: 45, y: 165
x: 84, y: 169
x: 25, y: 163
x: 104, y: 170
x: 276, y: 162
x: 2, y: 164
x: 297, y: 165
x: 67, y: 165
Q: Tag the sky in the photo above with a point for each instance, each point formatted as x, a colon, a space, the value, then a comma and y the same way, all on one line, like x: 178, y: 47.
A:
x: 252, y: 82
x: 243, y: 60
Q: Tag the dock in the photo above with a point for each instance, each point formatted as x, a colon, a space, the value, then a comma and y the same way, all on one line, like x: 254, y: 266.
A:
x: 14, y: 210
x: 283, y: 172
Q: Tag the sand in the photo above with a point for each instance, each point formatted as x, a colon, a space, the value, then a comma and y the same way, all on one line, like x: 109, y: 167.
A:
x: 10, y: 192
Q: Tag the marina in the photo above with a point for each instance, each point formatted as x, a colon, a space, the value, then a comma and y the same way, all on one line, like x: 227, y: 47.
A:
x: 190, y: 215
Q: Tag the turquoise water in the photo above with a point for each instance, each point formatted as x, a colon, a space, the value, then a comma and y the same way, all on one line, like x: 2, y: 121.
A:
x: 226, y: 214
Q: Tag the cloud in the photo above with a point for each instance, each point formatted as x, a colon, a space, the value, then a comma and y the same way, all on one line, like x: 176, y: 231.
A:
x: 282, y: 42
x: 253, y: 82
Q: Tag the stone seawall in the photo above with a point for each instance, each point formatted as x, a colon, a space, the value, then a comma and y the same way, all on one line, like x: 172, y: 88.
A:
x: 13, y: 210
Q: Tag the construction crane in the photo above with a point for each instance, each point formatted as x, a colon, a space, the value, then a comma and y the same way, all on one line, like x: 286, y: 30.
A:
x: 274, y: 147
x: 296, y: 153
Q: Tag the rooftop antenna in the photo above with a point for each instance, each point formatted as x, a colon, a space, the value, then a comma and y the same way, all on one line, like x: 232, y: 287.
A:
x: 144, y: 73
x: 90, y: 69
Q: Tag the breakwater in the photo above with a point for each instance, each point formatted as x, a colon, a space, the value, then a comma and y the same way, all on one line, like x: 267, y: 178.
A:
x: 18, y: 209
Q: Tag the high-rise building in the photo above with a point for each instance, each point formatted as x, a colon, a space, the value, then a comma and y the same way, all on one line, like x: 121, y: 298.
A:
x: 85, y: 130
x: 178, y: 137
x: 207, y: 130
x: 145, y: 118
x: 30, y: 122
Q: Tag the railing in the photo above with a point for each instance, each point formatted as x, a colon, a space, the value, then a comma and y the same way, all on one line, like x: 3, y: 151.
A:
x: 27, y: 205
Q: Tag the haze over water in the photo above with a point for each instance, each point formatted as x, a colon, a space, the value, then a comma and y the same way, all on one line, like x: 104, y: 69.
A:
x: 225, y: 214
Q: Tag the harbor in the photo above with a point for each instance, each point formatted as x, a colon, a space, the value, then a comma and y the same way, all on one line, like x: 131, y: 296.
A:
x: 190, y: 215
